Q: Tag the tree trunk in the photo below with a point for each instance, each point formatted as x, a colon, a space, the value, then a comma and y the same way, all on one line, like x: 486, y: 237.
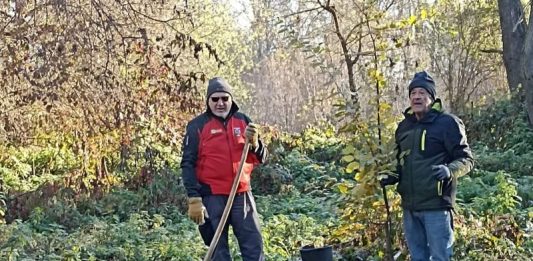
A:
x: 527, y: 69
x: 348, y: 59
x: 513, y: 27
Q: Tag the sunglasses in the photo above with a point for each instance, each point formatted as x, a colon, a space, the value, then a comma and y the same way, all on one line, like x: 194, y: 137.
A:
x: 224, y: 99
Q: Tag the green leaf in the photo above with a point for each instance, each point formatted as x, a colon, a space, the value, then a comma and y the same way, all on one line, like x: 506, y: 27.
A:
x: 348, y: 150
x: 348, y: 158
x: 352, y: 166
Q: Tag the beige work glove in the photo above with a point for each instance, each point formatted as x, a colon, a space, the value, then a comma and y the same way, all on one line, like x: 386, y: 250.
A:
x: 252, y: 134
x: 197, y: 212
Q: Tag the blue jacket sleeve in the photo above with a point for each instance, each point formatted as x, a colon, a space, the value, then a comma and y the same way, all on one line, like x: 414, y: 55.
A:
x: 188, y: 162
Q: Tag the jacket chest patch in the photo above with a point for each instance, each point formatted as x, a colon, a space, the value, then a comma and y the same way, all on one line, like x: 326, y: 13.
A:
x: 215, y: 131
x: 237, y: 131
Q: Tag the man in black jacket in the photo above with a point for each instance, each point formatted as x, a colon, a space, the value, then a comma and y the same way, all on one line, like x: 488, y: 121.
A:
x: 432, y: 153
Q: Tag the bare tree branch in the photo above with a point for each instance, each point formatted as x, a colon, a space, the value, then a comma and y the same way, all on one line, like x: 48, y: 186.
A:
x: 498, y: 51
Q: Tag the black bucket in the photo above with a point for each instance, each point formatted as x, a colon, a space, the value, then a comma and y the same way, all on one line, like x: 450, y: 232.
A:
x: 309, y: 253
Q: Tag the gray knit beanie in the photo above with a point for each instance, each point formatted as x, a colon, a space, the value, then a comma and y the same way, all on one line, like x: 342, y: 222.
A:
x: 218, y: 84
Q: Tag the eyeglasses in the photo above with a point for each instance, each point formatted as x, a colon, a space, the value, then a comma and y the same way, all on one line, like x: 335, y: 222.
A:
x: 224, y: 98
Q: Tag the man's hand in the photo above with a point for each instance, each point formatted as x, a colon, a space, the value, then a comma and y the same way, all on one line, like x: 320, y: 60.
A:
x: 441, y: 172
x: 197, y: 211
x: 388, y: 178
x: 252, y: 135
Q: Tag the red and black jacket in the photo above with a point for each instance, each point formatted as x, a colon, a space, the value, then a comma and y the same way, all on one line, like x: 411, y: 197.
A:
x: 212, y: 149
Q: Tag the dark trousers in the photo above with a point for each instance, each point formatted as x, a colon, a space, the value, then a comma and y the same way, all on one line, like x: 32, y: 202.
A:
x: 245, y: 224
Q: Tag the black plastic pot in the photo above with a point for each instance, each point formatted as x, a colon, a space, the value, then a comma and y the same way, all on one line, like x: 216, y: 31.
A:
x: 316, y: 254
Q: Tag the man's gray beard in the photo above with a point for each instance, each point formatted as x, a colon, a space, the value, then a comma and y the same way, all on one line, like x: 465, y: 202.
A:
x: 222, y: 115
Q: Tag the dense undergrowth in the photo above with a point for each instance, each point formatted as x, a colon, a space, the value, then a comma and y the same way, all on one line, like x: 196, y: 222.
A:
x: 310, y: 193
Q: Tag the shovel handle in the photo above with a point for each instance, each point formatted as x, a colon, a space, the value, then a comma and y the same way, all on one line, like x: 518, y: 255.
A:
x: 229, y: 204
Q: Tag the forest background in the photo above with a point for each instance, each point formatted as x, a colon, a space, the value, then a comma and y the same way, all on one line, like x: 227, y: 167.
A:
x: 95, y: 96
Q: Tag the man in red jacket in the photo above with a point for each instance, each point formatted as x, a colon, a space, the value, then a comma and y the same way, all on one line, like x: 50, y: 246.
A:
x: 212, y: 149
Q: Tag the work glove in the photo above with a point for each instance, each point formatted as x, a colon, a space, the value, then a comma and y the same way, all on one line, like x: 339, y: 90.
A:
x: 441, y: 172
x: 388, y: 178
x: 197, y: 211
x: 252, y: 134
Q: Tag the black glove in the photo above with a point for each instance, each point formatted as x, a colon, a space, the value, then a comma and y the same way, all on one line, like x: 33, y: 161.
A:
x: 387, y: 180
x: 441, y: 172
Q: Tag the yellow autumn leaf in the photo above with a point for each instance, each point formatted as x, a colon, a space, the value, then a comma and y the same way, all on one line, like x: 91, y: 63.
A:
x: 358, y: 226
x: 412, y: 20
x: 385, y: 106
x: 343, y: 188
x: 359, y: 176
x: 352, y: 166
x: 423, y: 14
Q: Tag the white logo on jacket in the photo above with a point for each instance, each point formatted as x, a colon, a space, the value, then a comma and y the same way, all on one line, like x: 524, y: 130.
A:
x: 237, y: 131
x: 215, y: 131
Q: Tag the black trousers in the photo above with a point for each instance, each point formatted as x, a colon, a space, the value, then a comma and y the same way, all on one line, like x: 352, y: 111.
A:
x: 244, y: 222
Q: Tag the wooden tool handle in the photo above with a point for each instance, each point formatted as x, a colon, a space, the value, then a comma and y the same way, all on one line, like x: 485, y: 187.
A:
x: 227, y: 209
